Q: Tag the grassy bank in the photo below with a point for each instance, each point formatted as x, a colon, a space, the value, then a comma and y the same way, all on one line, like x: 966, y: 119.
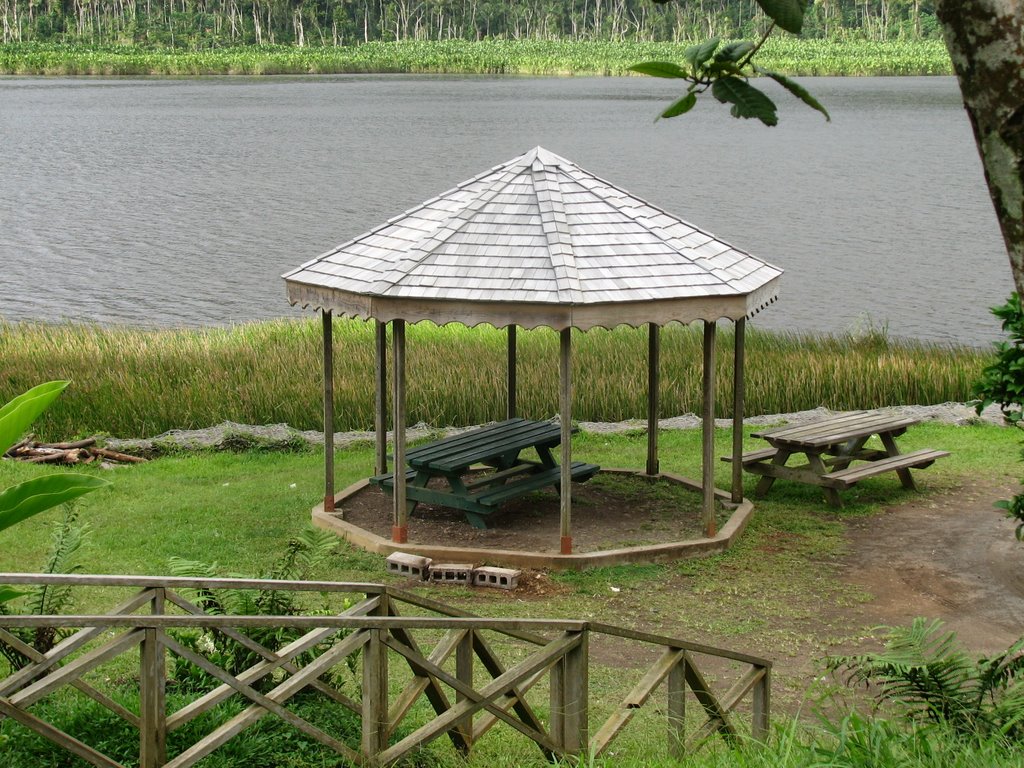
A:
x: 522, y: 57
x: 779, y: 593
x: 138, y: 383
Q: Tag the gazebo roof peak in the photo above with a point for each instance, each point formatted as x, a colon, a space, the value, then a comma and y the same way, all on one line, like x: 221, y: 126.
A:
x: 536, y: 241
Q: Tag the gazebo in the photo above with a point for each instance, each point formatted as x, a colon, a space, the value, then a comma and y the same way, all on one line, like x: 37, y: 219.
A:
x: 536, y: 242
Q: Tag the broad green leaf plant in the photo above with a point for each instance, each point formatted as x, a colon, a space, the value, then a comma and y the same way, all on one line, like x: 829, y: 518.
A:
x: 1002, y: 382
x: 22, y: 501
x: 726, y: 69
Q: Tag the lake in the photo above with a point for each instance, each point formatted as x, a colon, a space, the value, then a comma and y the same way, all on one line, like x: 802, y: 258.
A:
x: 180, y: 202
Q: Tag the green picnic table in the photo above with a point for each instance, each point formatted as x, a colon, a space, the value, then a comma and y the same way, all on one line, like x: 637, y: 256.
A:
x: 499, y: 471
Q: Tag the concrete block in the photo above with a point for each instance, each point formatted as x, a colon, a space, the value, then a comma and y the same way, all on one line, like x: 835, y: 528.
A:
x: 413, y: 566
x: 451, y: 573
x: 502, y: 578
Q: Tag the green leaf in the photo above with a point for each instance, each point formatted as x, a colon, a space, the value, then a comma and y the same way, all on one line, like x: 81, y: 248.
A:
x: 682, y: 106
x: 734, y: 51
x: 696, y: 55
x: 797, y: 90
x: 658, y: 69
x: 746, y: 100
x: 17, y: 415
x: 788, y: 14
x: 20, y: 502
x: 9, y: 593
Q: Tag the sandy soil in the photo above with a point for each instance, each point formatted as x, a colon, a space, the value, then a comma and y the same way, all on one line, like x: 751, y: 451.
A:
x: 949, y: 556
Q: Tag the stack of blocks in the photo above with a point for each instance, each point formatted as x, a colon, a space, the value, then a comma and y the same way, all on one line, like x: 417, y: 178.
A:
x: 423, y: 568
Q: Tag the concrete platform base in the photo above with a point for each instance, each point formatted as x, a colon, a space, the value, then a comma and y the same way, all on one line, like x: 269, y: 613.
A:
x: 672, y: 550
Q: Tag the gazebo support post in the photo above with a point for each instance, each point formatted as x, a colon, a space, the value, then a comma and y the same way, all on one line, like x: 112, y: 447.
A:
x: 565, y: 419
x: 510, y: 411
x: 708, y: 429
x: 400, y: 521
x: 653, y: 395
x: 738, y: 394
x: 328, y: 328
x: 380, y: 413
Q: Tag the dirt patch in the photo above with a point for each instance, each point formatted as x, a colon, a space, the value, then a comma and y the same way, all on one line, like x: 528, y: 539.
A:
x: 949, y: 556
x: 608, y: 512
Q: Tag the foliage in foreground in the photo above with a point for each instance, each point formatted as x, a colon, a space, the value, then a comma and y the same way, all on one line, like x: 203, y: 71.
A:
x: 726, y: 70
x: 927, y: 676
x: 304, y: 553
x: 47, y: 599
x: 139, y: 383
x: 1002, y: 382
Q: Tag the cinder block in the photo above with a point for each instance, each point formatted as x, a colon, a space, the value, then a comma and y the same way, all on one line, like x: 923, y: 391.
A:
x: 502, y: 578
x: 451, y: 573
x: 404, y: 564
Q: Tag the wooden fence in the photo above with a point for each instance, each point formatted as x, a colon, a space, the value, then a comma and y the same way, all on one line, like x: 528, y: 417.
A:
x: 402, y: 648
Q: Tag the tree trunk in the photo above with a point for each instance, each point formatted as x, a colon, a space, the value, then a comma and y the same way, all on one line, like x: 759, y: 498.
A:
x: 984, y: 38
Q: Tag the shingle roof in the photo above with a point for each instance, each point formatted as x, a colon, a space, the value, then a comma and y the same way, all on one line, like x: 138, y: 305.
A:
x: 536, y: 241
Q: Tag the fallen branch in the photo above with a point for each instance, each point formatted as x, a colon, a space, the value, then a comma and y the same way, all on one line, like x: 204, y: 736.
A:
x: 75, y: 452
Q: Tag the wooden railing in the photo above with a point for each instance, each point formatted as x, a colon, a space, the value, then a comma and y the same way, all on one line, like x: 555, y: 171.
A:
x: 436, y: 653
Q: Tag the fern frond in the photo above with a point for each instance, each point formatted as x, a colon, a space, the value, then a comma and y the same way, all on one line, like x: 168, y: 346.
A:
x: 924, y: 669
x: 67, y: 540
x: 213, y: 603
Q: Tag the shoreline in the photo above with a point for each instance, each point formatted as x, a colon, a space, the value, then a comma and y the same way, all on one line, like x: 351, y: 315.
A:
x: 525, y: 57
x: 228, y: 434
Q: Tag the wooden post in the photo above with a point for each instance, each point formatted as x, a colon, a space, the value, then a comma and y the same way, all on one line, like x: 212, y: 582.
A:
x: 677, y: 711
x: 380, y: 414
x: 328, y: 327
x: 653, y: 396
x: 464, y: 672
x: 510, y: 411
x: 569, y: 691
x: 399, y: 525
x: 738, y: 394
x: 375, y: 696
x: 152, y: 693
x: 708, y: 430
x: 576, y: 686
x: 565, y: 414
x: 762, y: 706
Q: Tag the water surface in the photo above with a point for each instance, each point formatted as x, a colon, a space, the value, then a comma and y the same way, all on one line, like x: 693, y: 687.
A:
x: 169, y: 202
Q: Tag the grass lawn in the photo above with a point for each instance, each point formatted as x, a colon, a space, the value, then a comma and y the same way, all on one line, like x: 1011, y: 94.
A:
x: 776, y: 594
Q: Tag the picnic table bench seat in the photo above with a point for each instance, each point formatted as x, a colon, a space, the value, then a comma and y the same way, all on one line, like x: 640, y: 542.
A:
x: 916, y: 460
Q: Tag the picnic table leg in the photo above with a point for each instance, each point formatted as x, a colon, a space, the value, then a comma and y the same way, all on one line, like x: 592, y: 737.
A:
x: 767, y: 481
x: 904, y: 474
x: 845, y: 456
x: 818, y: 467
x: 547, y: 461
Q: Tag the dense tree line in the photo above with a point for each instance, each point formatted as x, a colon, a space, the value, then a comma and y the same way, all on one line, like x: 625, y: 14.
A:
x: 207, y: 23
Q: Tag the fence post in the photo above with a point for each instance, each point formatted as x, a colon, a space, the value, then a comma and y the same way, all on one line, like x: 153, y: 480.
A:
x: 577, y: 691
x: 569, y: 692
x: 152, y: 692
x: 677, y: 710
x: 762, y: 706
x: 375, y: 688
x: 464, y: 673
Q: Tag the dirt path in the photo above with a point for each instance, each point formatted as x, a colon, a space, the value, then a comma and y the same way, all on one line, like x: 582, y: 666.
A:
x: 949, y: 556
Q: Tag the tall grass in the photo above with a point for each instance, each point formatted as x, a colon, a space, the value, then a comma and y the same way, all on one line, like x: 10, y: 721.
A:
x: 132, y: 383
x: 524, y: 57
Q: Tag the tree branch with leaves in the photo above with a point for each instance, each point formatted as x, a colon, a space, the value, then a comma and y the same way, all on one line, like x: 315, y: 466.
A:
x: 726, y: 70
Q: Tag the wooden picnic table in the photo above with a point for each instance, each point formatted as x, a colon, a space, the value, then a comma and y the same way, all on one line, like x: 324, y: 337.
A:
x: 496, y: 450
x: 830, y: 447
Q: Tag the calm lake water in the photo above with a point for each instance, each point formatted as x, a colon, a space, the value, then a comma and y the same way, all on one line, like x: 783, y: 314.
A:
x: 170, y: 202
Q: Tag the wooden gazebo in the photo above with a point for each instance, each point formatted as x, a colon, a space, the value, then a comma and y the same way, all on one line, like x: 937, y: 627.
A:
x: 536, y: 241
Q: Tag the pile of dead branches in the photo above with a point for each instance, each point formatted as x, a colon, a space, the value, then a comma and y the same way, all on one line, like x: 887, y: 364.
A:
x: 78, y: 452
